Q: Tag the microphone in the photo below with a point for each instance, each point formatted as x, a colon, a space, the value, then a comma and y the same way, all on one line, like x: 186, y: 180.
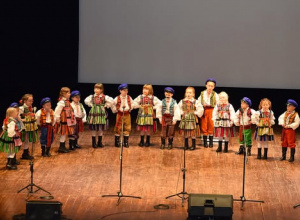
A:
x: 241, y: 110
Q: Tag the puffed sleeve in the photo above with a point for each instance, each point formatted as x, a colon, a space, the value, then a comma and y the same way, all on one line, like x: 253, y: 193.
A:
x: 84, y: 115
x: 109, y: 101
x: 38, y: 117
x: 114, y: 105
x: 180, y: 108
x: 253, y: 112
x: 217, y: 98
x: 11, y: 129
x: 295, y: 124
x: 255, y: 117
x: 281, y: 119
x: 272, y: 119
x: 177, y: 115
x: 21, y: 111
x: 159, y: 111
x: 88, y: 101
x: 215, y: 114
x: 199, y: 109
x: 59, y: 107
x: 156, y: 102
x: 232, y: 114
x: 136, y: 102
x: 237, y: 118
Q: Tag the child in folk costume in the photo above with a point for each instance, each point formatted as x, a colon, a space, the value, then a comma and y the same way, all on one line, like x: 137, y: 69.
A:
x: 146, y: 103
x: 123, y: 104
x: 97, y: 118
x: 80, y: 115
x: 208, y: 98
x: 289, y: 121
x: 190, y: 108
x: 10, y: 141
x: 29, y: 134
x: 65, y: 120
x: 264, y: 119
x: 243, y: 119
x: 223, y: 117
x: 45, y: 119
x: 168, y: 114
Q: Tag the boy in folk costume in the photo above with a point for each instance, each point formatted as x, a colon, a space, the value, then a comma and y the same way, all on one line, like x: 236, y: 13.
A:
x: 223, y: 117
x: 168, y: 114
x: 80, y: 115
x: 190, y: 108
x: 29, y: 134
x: 289, y: 121
x: 65, y: 120
x: 243, y: 117
x: 146, y: 103
x: 208, y: 98
x: 123, y: 104
x: 97, y: 118
x: 10, y: 141
x: 264, y: 119
x: 45, y: 119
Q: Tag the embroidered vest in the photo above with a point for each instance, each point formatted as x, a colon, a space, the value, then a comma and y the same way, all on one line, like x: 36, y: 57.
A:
x: 290, y: 118
x: 98, y: 100
x: 44, y: 116
x: 146, y: 100
x: 119, y: 102
x: 212, y: 98
x: 188, y: 105
x: 223, y: 109
x: 171, y: 107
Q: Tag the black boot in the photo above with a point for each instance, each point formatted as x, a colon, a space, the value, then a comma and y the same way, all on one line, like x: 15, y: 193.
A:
x: 43, y: 151
x: 9, y: 165
x: 284, y: 149
x: 15, y: 161
x: 211, y: 141
x: 205, y: 141
x: 292, y: 158
x: 126, y: 144
x: 241, y: 150
x: 170, y: 145
x: 117, y: 141
x: 99, y: 144
x: 265, y: 154
x: 141, y: 144
x: 249, y: 150
x: 226, y: 147
x: 25, y: 155
x: 163, y: 143
x: 71, y: 145
x: 259, y: 153
x: 94, y: 145
x: 193, y: 147
x: 62, y: 148
x: 219, y: 149
x: 186, y: 143
x: 76, y: 145
x: 48, y: 152
x: 147, y: 144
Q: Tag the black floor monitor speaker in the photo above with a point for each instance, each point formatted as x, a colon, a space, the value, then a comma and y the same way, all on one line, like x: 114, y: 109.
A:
x: 210, y: 207
x: 43, y: 210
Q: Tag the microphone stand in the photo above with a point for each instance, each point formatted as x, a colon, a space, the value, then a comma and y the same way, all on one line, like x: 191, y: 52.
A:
x: 242, y: 197
x: 183, y: 193
x: 120, y: 194
x: 30, y: 186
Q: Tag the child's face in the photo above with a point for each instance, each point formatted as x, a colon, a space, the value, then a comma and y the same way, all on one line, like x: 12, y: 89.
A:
x: 47, y: 106
x: 265, y: 105
x: 124, y: 92
x: 98, y: 91
x: 189, y: 93
x: 290, y: 108
x: 168, y: 94
x: 29, y: 101
x: 223, y: 99
x: 14, y: 114
x: 244, y: 105
x: 76, y: 98
x: 210, y: 86
x: 145, y: 91
x: 67, y: 95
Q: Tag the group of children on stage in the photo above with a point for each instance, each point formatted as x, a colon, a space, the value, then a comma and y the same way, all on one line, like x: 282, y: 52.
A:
x: 217, y: 117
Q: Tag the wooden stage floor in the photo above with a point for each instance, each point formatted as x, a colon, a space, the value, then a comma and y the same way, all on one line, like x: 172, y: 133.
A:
x: 80, y: 178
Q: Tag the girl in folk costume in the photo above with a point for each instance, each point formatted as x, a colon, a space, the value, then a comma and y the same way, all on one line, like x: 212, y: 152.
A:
x: 29, y: 134
x: 208, y: 98
x: 264, y: 119
x: 97, y: 118
x: 289, y: 121
x: 123, y: 104
x: 223, y: 117
x: 45, y: 119
x: 243, y: 119
x: 65, y: 120
x: 146, y: 103
x: 80, y: 115
x: 10, y: 141
x: 168, y: 114
x: 190, y: 108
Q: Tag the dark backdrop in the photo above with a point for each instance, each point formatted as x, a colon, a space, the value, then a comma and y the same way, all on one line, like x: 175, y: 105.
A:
x: 39, y: 55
